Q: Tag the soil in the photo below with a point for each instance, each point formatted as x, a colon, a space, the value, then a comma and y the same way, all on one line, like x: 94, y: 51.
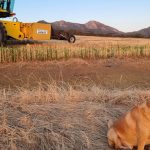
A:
x: 110, y: 73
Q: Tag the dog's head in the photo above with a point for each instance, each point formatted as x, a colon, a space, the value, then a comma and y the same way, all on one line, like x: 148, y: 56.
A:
x: 112, y: 136
x: 114, y: 139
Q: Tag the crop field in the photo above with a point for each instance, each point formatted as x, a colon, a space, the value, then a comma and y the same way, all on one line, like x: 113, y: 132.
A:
x: 60, y: 96
x: 85, y: 48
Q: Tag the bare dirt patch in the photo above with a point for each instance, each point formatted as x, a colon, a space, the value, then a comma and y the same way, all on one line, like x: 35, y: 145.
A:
x: 110, y: 73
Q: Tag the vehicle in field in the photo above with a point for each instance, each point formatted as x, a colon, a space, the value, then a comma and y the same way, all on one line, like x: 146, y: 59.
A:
x: 26, y: 31
x: 62, y: 35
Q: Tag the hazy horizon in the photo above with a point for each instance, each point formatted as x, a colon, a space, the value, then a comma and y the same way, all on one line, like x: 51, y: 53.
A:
x: 124, y: 15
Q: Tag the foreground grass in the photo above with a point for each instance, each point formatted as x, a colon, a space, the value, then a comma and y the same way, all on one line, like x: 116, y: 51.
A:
x: 59, y: 118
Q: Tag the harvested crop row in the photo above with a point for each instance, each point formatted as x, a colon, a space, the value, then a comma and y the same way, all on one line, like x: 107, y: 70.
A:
x: 48, y: 53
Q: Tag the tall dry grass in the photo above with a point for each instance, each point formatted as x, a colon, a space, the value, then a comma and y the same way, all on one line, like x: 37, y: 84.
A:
x: 59, y: 118
x: 85, y: 48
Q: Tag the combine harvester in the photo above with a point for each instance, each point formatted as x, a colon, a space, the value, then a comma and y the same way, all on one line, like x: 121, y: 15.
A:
x: 14, y: 30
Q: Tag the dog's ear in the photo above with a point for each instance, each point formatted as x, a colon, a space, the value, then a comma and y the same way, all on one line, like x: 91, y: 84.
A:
x: 110, y: 124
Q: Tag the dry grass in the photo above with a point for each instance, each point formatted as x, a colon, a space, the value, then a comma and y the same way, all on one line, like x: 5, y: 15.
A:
x: 85, y: 48
x: 60, y: 118
x: 108, y: 41
x: 63, y: 116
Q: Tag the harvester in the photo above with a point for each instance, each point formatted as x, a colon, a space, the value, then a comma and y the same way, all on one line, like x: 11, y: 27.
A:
x: 26, y: 31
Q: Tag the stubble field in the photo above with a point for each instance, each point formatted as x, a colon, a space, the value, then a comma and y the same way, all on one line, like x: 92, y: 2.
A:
x: 59, y: 96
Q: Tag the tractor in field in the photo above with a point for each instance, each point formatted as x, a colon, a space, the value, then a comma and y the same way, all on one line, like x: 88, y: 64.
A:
x: 62, y: 35
x: 26, y: 31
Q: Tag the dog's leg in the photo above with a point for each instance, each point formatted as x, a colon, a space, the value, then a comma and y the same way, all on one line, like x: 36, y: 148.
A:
x: 141, y: 142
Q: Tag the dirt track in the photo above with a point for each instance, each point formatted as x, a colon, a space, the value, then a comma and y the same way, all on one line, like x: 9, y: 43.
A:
x: 112, y: 73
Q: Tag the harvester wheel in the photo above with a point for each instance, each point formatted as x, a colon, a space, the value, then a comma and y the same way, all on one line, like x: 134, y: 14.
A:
x: 3, y: 34
x: 71, y: 39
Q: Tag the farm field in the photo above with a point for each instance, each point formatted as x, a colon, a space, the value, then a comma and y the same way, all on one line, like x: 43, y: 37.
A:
x: 60, y: 96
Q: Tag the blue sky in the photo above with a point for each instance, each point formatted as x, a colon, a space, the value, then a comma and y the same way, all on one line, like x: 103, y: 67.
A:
x: 125, y: 15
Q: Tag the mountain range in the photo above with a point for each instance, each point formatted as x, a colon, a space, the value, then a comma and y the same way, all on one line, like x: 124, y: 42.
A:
x: 96, y: 28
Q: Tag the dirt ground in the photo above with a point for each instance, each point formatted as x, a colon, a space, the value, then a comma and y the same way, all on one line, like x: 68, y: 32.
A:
x: 110, y: 73
x: 72, y: 126
x: 65, y: 105
x: 59, y: 118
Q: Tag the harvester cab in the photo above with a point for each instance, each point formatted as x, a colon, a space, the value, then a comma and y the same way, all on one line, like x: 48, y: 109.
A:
x: 6, y: 8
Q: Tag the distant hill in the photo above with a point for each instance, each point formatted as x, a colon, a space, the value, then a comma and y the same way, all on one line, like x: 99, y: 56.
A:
x: 100, y: 28
x: 89, y: 28
x: 141, y: 33
x: 96, y: 28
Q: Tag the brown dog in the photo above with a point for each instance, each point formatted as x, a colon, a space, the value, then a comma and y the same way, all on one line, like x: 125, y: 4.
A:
x: 133, y: 129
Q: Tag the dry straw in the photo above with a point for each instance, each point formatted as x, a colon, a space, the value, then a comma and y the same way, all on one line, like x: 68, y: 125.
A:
x: 59, y: 118
x: 48, y: 52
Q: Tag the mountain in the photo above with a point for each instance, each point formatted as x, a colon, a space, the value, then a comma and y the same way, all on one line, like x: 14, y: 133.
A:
x: 68, y: 26
x: 141, y: 33
x: 100, y: 28
x: 89, y: 28
x: 96, y: 28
